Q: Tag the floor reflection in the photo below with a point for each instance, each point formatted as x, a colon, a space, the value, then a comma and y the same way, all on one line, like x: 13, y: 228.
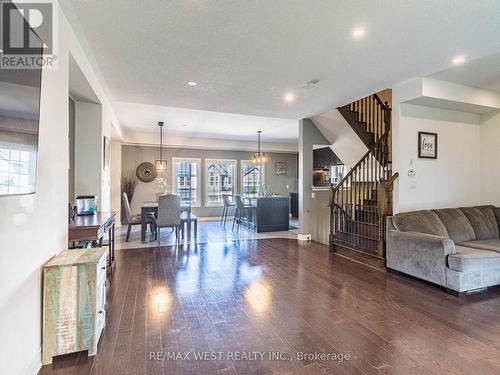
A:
x: 209, y: 232
x: 160, y: 299
x: 258, y: 296
x: 214, y: 269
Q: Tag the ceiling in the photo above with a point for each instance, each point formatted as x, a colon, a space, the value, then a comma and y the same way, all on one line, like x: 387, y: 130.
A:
x: 205, y: 124
x: 245, y: 55
x: 483, y: 73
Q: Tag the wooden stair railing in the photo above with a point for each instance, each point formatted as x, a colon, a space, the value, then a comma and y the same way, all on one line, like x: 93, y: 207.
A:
x: 369, y: 117
x: 360, y: 202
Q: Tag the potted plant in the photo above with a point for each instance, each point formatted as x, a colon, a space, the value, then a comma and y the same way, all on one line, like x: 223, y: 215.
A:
x: 254, y: 191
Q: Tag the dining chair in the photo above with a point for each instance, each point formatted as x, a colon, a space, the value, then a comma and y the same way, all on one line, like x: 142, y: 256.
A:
x: 169, y: 215
x: 135, y: 219
x: 240, y: 211
x: 225, y: 208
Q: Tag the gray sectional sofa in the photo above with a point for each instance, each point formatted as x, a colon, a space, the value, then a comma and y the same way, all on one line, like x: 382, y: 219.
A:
x: 458, y: 248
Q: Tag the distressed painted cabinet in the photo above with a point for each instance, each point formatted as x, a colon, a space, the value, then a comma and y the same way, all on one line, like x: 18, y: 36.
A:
x: 74, y: 302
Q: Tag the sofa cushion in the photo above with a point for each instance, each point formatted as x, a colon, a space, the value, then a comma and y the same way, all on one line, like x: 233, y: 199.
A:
x: 467, y: 259
x: 424, y: 221
x: 492, y: 244
x: 457, y: 225
x: 497, y: 214
x: 483, y: 220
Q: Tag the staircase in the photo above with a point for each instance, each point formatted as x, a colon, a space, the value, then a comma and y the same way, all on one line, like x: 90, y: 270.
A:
x: 362, y: 199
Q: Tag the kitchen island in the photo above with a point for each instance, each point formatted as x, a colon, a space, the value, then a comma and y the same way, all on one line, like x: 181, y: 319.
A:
x: 269, y: 214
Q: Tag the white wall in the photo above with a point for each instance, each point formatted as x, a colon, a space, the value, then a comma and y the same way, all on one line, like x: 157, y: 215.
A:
x: 88, y: 148
x: 320, y: 227
x: 92, y: 123
x: 490, y: 156
x: 34, y: 227
x: 452, y: 180
x: 107, y: 119
x: 115, y: 177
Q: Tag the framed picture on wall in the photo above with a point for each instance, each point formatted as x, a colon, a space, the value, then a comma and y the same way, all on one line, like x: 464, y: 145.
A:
x: 106, y: 154
x: 427, y: 145
x: 280, y: 168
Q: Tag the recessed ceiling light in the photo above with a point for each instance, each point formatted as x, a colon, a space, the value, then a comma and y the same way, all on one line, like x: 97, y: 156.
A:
x: 358, y: 32
x: 192, y: 83
x: 289, y: 97
x: 459, y: 60
x: 184, y: 125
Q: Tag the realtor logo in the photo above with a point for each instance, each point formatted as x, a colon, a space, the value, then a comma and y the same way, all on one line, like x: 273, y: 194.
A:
x: 28, y: 34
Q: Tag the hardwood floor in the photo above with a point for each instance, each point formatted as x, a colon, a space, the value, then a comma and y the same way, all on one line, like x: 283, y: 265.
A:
x: 282, y: 296
x: 208, y: 232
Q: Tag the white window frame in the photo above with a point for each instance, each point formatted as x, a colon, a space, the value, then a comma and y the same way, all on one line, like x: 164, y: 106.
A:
x: 235, y: 176
x: 30, y: 175
x: 198, y: 176
x: 263, y: 175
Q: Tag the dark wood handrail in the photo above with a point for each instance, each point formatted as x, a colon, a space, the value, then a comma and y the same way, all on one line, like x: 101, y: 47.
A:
x: 353, y: 169
x: 384, y: 105
x: 393, y: 178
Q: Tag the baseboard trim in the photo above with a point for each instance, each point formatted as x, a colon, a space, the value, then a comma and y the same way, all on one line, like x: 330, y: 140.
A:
x: 304, y: 237
x: 34, y: 364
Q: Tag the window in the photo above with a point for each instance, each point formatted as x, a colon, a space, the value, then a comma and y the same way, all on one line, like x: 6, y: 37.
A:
x: 220, y: 175
x: 16, y: 171
x: 337, y: 172
x: 252, y: 178
x: 185, y: 180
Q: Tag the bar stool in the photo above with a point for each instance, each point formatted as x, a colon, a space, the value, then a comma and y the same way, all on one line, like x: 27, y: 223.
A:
x: 242, y: 210
x: 225, y: 209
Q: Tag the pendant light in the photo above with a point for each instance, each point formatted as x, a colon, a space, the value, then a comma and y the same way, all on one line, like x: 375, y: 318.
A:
x: 259, y: 157
x: 161, y: 165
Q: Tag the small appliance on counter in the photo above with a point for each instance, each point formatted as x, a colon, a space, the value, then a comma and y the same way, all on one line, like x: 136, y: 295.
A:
x: 86, y: 205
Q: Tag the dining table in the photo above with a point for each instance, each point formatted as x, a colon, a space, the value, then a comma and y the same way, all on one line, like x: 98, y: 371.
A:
x: 152, y: 207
